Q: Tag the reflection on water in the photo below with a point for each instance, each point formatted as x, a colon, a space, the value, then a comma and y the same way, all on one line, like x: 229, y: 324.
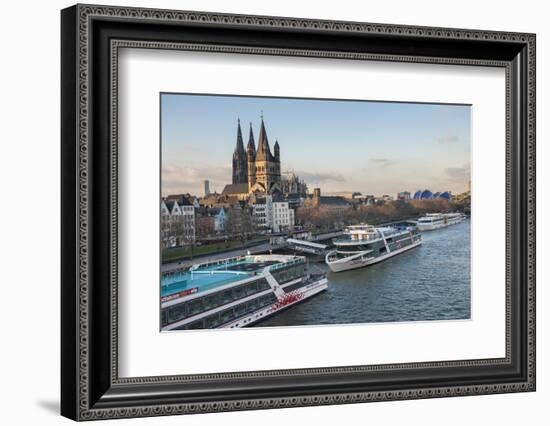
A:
x: 431, y: 282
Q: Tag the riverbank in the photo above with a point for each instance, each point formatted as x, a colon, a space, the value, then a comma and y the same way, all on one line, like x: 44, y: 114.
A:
x: 322, y: 218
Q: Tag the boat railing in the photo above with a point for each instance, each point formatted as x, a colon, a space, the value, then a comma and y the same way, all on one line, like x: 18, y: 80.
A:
x: 286, y: 264
x: 218, y: 262
x: 222, y: 271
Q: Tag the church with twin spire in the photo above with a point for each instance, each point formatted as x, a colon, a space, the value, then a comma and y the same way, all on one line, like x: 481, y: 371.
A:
x: 255, y: 170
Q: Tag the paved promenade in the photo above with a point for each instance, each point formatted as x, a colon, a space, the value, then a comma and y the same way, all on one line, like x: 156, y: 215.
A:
x: 261, y: 248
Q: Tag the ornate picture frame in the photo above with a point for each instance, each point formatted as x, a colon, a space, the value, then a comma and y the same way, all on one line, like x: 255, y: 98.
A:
x: 91, y: 37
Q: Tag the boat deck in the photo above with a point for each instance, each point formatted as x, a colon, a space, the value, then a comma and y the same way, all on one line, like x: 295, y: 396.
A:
x: 208, y: 277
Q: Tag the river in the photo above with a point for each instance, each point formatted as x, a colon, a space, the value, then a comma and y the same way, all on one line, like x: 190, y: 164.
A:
x: 430, y: 282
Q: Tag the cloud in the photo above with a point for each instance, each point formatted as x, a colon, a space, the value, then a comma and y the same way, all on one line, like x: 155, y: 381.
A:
x: 321, y: 177
x: 177, y: 179
x: 381, y: 162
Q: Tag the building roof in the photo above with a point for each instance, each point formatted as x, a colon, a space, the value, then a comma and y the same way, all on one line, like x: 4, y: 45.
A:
x: 333, y: 201
x: 209, y: 211
x: 181, y: 199
x: 293, y: 196
x: 174, y: 197
x: 344, y: 194
x: 235, y: 188
x: 184, y: 201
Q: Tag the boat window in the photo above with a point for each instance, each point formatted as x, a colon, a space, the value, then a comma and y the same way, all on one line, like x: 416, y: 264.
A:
x: 212, y: 321
x: 263, y: 285
x: 238, y: 292
x: 196, y: 325
x: 240, y: 309
x: 227, y: 315
x: 251, y: 288
x: 227, y: 296
x: 194, y: 306
x: 177, y: 312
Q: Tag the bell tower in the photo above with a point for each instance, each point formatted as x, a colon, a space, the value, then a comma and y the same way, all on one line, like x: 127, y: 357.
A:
x: 240, y: 168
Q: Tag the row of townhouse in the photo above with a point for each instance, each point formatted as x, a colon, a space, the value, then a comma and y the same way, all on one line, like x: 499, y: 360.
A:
x: 183, y: 221
x: 210, y: 221
x: 177, y: 223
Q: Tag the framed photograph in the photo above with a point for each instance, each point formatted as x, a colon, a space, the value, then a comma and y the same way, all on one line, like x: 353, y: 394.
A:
x: 263, y: 212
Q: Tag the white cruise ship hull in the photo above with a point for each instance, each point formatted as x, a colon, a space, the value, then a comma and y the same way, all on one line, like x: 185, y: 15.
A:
x: 305, y: 293
x: 433, y: 226
x: 346, y: 264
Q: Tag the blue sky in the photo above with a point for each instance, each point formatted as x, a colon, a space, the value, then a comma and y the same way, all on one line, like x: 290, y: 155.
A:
x: 371, y: 147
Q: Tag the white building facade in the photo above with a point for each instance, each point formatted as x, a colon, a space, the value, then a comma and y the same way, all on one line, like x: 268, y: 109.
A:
x: 262, y: 212
x: 283, y: 216
x: 276, y: 216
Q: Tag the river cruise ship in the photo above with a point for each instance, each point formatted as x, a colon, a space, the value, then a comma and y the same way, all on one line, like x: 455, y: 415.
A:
x: 235, y: 292
x: 438, y: 220
x: 364, y: 245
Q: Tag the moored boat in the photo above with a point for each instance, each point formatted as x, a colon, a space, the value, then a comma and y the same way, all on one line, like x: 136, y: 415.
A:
x: 432, y: 221
x: 235, y: 292
x: 364, y: 245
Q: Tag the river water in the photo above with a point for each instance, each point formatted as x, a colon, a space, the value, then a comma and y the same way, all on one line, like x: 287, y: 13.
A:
x: 430, y: 282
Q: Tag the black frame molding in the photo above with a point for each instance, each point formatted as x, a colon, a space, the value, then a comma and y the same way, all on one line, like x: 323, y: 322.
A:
x: 90, y: 38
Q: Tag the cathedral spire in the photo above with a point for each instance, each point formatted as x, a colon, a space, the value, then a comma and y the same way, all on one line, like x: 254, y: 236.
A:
x: 251, y: 147
x: 276, y: 150
x: 240, y: 145
x: 240, y: 167
x: 264, y: 153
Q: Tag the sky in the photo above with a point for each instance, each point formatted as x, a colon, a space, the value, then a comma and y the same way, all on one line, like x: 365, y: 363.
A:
x: 337, y: 145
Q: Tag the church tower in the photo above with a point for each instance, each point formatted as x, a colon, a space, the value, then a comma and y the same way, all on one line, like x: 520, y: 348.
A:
x: 251, y: 157
x: 240, y: 167
x: 267, y: 165
x: 277, y: 152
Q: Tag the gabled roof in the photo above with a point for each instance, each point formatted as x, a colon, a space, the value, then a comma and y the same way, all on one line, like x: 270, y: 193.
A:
x: 169, y: 204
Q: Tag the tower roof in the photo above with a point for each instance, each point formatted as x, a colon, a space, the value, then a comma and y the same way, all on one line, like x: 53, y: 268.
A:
x: 239, y: 148
x: 264, y: 153
x: 251, y: 147
x: 276, y: 151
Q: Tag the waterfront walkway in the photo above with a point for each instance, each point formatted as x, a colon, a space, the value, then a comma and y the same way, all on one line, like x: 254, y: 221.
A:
x: 186, y: 263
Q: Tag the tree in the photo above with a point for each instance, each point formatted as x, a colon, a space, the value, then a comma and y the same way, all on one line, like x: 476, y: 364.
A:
x: 240, y: 223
